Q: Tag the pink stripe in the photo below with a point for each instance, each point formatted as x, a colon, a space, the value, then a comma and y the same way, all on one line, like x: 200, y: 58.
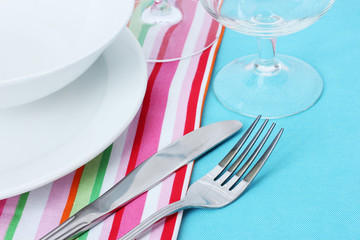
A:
x: 166, y: 191
x: 55, y: 205
x: 7, y: 215
x: 164, y: 199
x: 106, y: 226
x: 132, y: 215
x: 155, y: 117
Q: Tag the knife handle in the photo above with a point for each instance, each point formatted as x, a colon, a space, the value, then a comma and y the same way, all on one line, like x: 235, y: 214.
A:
x: 158, y: 215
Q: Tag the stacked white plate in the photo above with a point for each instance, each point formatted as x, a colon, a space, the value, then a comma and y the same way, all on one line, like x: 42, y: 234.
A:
x: 60, y: 103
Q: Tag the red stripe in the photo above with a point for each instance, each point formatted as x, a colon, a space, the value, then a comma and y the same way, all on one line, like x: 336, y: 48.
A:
x: 114, y: 230
x: 175, y: 196
x: 2, y: 205
x: 195, y: 92
x: 137, y: 142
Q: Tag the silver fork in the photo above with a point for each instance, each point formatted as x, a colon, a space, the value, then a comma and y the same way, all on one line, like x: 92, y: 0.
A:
x: 221, y: 186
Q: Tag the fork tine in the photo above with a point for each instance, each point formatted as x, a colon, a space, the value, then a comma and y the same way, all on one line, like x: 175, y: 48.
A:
x: 218, y: 171
x: 245, y: 167
x: 254, y: 171
x: 227, y: 174
x: 248, y: 148
x: 232, y: 153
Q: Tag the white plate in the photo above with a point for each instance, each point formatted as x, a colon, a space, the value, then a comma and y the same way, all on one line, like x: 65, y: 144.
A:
x: 46, y: 139
x: 46, y: 44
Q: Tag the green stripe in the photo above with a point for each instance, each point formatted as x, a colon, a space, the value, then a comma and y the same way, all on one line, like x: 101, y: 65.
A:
x: 100, y: 175
x: 134, y: 25
x: 17, y: 215
x: 86, y: 184
x: 140, y: 30
x: 143, y: 33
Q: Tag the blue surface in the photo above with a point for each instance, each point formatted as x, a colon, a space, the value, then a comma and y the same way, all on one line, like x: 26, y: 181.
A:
x: 310, y: 186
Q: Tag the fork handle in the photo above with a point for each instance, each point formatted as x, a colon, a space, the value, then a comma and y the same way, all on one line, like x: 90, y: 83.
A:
x: 158, y: 215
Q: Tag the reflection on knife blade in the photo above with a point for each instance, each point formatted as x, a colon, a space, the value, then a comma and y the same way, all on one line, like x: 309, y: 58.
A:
x: 145, y: 176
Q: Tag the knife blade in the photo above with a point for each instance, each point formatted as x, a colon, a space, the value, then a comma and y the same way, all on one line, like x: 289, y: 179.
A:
x: 145, y: 176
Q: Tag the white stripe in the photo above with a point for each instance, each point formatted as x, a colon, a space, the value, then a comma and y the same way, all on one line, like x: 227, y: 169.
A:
x: 150, y: 206
x: 32, y: 213
x: 149, y: 42
x: 187, y: 178
x: 177, y: 225
x: 114, y: 160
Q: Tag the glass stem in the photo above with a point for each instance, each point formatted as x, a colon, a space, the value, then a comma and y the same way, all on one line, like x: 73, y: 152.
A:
x: 266, y: 64
x: 160, y: 7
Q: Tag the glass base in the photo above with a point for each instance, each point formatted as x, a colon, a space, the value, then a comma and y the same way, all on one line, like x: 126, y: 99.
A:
x: 292, y: 89
x: 171, y: 16
x: 172, y: 35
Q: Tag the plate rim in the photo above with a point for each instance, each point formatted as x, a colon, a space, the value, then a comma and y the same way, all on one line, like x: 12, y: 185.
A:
x: 58, y: 173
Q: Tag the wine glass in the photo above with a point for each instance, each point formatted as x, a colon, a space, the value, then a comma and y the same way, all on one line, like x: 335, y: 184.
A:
x: 166, y: 30
x: 268, y: 84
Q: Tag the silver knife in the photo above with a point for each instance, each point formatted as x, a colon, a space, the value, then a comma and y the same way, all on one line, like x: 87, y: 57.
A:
x: 145, y: 176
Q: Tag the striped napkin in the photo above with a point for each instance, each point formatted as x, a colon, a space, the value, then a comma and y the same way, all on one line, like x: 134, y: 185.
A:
x: 172, y: 107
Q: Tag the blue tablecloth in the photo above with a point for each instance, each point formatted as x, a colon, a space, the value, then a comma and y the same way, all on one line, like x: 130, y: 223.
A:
x: 310, y: 187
